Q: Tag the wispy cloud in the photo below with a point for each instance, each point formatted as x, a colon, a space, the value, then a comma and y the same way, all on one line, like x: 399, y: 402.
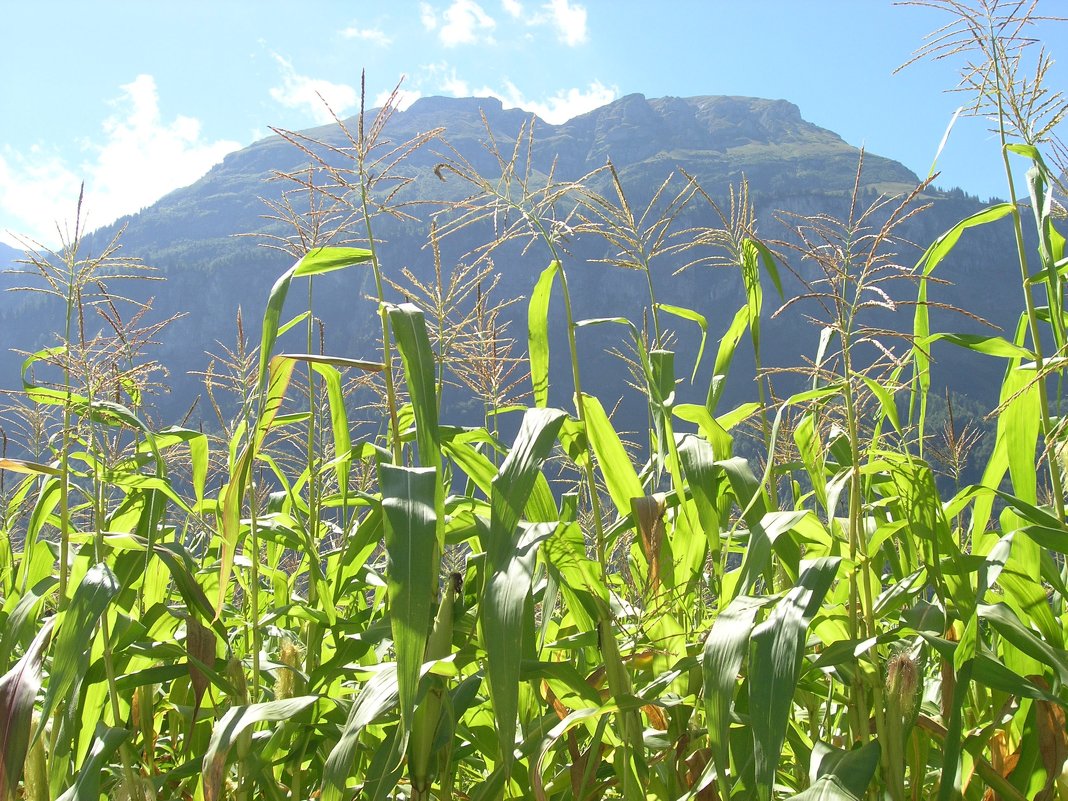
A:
x: 569, y: 20
x: 465, y: 22
x: 301, y: 91
x: 428, y: 16
x: 141, y: 157
x: 561, y: 106
x: 373, y: 35
x: 403, y: 99
x: 454, y: 85
x: 558, y: 107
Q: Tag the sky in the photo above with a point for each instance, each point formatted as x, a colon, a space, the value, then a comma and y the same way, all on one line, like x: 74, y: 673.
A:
x: 136, y: 98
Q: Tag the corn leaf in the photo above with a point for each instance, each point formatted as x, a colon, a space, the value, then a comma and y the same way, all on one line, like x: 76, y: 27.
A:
x: 412, y: 573
x: 775, y: 654
x: 86, y: 786
x: 315, y: 262
x: 619, y: 474
x: 409, y: 329
x: 538, y: 333
x: 725, y: 649
x: 18, y: 692
x: 232, y: 725
x: 841, y: 775
x: 70, y: 652
x: 377, y: 697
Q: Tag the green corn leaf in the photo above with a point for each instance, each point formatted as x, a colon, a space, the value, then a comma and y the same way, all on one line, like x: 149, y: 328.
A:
x: 22, y: 617
x: 335, y: 361
x: 993, y: 674
x: 512, y: 487
x: 942, y: 246
x: 776, y: 651
x: 104, y: 412
x: 505, y: 602
x: 412, y: 573
x: 197, y: 442
x: 619, y: 474
x: 806, y: 437
x: 886, y: 401
x: 1020, y: 424
x: 711, y: 429
x: 579, y: 577
x: 409, y: 330
x: 728, y: 343
x: 182, y: 569
x: 725, y: 648
x: 1027, y: 151
x: 538, y: 333
x: 767, y: 261
x: 226, y: 732
x: 72, y: 645
x: 698, y: 460
x: 694, y: 317
x: 991, y: 346
x: 339, y: 420
x: 294, y: 322
x: 510, y: 557
x: 841, y: 775
x: 315, y: 262
x: 1001, y: 617
x: 1015, y: 441
x: 281, y: 372
x: 18, y: 692
x: 385, y: 767
x: 106, y: 742
x: 931, y: 258
x: 378, y: 696
x: 949, y: 786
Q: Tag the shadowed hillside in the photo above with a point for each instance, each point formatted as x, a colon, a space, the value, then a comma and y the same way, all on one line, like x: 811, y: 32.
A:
x: 792, y: 166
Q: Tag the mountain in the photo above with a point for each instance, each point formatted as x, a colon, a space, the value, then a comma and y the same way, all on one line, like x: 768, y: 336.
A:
x: 8, y: 256
x: 792, y: 167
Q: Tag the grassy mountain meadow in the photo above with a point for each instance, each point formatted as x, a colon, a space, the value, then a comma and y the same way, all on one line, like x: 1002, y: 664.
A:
x: 680, y: 451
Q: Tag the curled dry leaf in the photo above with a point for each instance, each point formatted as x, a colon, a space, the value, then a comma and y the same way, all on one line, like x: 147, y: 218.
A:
x: 649, y: 515
x: 1052, y: 740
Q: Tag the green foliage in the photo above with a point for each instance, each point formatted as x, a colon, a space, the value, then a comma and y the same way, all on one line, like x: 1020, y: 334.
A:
x: 312, y: 606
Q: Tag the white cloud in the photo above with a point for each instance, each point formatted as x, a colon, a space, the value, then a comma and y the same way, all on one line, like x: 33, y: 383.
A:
x: 444, y: 79
x: 427, y: 16
x: 465, y: 21
x: 455, y: 86
x: 513, y: 7
x: 141, y: 159
x: 560, y: 107
x: 373, y: 35
x: 557, y: 108
x: 404, y: 98
x: 300, y: 91
x: 569, y: 20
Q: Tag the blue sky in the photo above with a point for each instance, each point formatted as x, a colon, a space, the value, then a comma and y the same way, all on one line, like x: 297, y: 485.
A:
x: 137, y: 98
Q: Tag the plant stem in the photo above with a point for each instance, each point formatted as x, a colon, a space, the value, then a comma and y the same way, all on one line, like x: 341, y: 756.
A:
x: 1025, y: 279
x: 387, y: 342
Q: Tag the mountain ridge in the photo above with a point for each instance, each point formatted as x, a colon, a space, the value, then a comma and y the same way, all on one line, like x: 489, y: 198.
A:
x: 792, y: 167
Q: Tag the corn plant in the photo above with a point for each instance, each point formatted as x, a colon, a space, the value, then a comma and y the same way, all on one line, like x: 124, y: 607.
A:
x: 306, y: 604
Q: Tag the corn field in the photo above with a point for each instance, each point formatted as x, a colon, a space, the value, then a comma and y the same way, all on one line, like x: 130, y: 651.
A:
x: 299, y: 604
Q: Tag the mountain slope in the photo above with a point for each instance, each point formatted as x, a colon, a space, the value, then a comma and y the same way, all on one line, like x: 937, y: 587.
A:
x: 792, y: 167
